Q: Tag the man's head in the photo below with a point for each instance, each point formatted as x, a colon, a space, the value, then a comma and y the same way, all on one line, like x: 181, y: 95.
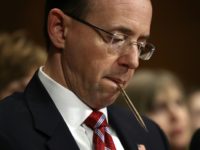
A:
x: 91, y: 55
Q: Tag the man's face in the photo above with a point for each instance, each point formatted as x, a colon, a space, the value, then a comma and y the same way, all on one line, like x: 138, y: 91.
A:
x: 92, y: 69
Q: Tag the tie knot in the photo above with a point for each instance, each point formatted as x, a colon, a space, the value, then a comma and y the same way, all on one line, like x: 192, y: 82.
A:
x: 96, y: 120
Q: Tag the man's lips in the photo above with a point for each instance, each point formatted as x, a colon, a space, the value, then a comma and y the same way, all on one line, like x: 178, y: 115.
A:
x: 117, y: 81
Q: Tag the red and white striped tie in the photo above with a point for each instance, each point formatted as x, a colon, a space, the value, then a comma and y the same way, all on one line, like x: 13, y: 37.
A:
x: 101, y: 138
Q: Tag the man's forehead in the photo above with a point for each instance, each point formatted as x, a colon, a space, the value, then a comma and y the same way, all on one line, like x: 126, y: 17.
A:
x: 100, y: 5
x: 125, y: 8
x: 123, y: 15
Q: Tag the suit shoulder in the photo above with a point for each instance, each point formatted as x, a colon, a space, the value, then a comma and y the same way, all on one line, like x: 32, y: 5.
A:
x: 15, y: 99
x: 12, y: 106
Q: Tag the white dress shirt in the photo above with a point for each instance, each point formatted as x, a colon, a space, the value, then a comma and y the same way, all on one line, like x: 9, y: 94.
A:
x: 74, y: 113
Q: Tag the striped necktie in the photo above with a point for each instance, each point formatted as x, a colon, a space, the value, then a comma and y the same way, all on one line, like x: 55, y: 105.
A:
x: 101, y: 138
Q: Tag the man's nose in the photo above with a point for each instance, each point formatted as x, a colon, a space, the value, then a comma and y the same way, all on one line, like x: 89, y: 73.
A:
x: 129, y: 58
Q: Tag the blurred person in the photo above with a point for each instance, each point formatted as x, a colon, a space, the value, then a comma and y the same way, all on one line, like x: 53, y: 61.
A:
x: 193, y: 100
x: 19, y: 59
x: 159, y: 95
x: 93, y: 47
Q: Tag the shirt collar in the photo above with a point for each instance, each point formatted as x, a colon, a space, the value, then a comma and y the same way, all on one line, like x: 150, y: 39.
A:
x: 72, y: 109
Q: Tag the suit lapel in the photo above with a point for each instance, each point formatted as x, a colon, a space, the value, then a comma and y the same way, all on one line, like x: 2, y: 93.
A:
x: 62, y: 139
x: 47, y: 119
x: 124, y: 123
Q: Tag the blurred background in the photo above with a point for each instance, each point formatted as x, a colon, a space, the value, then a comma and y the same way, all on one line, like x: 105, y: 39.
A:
x: 175, y: 32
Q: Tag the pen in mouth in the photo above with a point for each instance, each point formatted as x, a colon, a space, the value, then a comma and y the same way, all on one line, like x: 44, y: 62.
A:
x: 132, y: 108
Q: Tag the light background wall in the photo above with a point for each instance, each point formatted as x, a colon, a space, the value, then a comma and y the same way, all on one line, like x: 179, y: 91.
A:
x: 175, y: 32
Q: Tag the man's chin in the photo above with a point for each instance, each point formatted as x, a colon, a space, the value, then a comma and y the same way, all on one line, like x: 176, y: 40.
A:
x: 111, y: 98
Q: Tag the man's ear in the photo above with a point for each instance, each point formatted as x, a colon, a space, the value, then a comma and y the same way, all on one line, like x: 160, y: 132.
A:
x: 57, y: 27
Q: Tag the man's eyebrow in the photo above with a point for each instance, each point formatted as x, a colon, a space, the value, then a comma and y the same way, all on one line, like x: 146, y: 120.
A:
x: 124, y: 30
x: 144, y: 38
x: 129, y: 32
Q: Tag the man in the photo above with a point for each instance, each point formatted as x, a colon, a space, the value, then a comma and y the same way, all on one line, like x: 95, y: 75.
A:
x: 93, y: 47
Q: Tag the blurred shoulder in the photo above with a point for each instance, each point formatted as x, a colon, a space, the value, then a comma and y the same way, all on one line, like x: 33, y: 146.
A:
x: 12, y: 107
x: 195, y: 142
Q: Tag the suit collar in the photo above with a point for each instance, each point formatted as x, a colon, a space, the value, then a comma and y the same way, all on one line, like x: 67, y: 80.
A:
x: 41, y: 106
x: 72, y: 106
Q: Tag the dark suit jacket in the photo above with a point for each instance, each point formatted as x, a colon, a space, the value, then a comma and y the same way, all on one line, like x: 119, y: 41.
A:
x: 30, y: 121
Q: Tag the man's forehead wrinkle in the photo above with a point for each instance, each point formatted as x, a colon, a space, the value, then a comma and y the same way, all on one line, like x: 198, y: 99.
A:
x: 108, y: 5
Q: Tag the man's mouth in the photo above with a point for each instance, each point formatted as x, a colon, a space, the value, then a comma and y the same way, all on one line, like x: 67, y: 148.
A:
x: 117, y: 81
